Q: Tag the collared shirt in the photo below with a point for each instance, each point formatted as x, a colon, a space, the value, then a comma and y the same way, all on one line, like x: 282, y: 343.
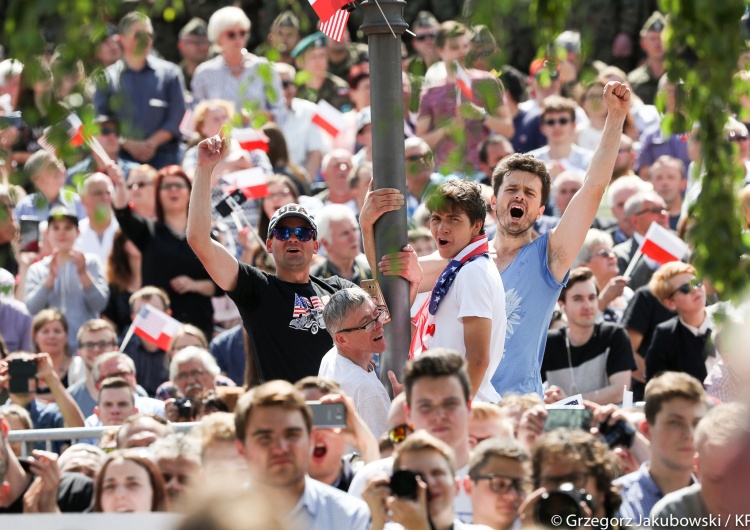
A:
x: 89, y: 242
x: 145, y: 101
x: 36, y: 205
x: 323, y: 507
x: 639, y: 494
x: 213, y: 79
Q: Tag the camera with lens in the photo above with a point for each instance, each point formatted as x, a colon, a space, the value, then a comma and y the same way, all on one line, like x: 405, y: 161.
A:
x: 184, y: 409
x: 562, y: 502
x: 404, y: 484
x: 620, y: 434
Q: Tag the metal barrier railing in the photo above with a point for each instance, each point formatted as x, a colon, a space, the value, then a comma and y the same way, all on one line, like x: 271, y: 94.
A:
x: 48, y: 436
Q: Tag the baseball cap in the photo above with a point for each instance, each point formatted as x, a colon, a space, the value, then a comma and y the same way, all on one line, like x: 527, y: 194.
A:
x: 196, y: 26
x: 292, y: 210
x: 61, y: 212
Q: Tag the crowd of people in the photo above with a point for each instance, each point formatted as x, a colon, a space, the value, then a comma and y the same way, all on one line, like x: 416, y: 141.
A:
x: 555, y: 366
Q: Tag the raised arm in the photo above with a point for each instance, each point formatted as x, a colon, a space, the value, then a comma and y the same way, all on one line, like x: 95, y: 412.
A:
x: 566, y: 240
x: 219, y: 263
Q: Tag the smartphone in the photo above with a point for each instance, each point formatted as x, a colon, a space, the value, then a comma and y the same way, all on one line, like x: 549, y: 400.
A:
x: 29, y: 238
x: 328, y: 415
x: 373, y: 288
x: 20, y: 371
x: 569, y: 418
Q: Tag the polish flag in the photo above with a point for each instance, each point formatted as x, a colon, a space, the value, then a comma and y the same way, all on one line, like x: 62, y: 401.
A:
x: 251, y: 139
x: 329, y: 118
x: 155, y: 326
x: 336, y: 25
x: 69, y: 131
x: 663, y: 246
x: 251, y: 181
x: 325, y: 9
x: 464, y: 82
x: 75, y: 130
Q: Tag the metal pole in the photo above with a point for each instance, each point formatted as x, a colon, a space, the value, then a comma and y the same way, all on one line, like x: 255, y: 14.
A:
x: 384, y: 24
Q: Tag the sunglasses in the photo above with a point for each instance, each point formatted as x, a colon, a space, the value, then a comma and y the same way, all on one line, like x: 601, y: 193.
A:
x: 138, y: 185
x: 235, y: 34
x: 173, y: 186
x: 399, y: 433
x: 605, y: 252
x: 500, y: 484
x: 425, y: 36
x: 654, y: 209
x: 419, y: 158
x: 108, y: 130
x: 283, y: 233
x: 734, y: 137
x: 560, y: 121
x: 286, y: 83
x: 687, y: 288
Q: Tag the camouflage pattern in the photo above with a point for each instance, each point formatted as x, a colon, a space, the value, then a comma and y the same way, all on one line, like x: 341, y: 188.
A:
x: 334, y: 90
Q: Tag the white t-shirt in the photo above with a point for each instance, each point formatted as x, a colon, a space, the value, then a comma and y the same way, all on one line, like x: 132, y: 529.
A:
x: 368, y: 393
x: 89, y: 241
x: 302, y: 135
x: 476, y: 292
x: 461, y: 503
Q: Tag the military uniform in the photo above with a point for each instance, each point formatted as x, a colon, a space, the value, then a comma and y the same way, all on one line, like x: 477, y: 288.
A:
x: 199, y: 28
x: 644, y: 83
x: 334, y: 90
x: 358, y: 53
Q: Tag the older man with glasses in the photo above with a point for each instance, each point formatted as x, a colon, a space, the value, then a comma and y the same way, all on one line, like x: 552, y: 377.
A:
x: 356, y: 325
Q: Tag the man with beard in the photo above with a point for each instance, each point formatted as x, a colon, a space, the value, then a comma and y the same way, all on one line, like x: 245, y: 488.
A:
x: 533, y: 271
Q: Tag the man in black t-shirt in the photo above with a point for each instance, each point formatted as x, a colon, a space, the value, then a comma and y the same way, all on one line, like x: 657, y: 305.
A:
x: 585, y: 357
x: 282, y: 313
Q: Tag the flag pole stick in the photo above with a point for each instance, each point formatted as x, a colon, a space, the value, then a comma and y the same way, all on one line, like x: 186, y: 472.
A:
x: 97, y: 148
x: 128, y: 336
x: 633, y: 263
x: 245, y: 221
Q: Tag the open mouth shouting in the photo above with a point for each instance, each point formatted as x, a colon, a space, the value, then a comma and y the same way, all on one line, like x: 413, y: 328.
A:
x: 320, y: 450
x: 517, y: 211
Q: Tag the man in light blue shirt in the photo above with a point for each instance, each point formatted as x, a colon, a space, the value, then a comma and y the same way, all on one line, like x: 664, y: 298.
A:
x: 273, y: 426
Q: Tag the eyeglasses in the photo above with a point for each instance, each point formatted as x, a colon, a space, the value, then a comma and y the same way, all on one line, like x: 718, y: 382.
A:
x: 195, y: 374
x: 286, y: 83
x: 687, y: 288
x: 101, y: 345
x: 380, y: 316
x: 283, y: 233
x: 242, y: 33
x: 605, y: 252
x: 399, y: 433
x: 427, y: 157
x: 425, y: 36
x: 558, y: 121
x: 501, y: 484
x: 138, y: 185
x: 108, y: 130
x: 173, y: 186
x: 657, y: 210
x: 280, y: 195
x: 552, y: 483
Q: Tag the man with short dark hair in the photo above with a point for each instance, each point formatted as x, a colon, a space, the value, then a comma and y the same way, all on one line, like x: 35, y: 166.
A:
x: 675, y: 403
x: 645, y: 78
x: 586, y: 357
x: 116, y: 401
x: 193, y: 46
x: 145, y: 94
x: 273, y: 426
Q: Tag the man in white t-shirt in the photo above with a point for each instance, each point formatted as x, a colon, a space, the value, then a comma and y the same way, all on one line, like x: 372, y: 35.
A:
x: 466, y: 309
x: 356, y: 325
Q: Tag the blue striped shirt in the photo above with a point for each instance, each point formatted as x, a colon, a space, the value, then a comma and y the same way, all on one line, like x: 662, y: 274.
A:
x: 325, y: 508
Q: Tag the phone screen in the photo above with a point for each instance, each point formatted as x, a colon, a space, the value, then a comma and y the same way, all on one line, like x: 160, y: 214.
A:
x: 569, y: 418
x: 29, y: 238
x: 328, y: 415
x: 373, y: 289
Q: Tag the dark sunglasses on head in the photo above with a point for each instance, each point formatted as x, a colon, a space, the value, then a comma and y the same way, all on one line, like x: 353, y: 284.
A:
x: 234, y: 34
x: 426, y: 36
x: 561, y: 121
x: 108, y: 130
x: 399, y: 433
x: 687, y: 288
x: 283, y: 233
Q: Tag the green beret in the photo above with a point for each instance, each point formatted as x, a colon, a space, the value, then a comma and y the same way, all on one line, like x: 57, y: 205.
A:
x: 316, y: 40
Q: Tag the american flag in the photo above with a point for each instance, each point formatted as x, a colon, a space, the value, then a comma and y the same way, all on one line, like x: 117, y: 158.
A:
x: 301, y: 306
x: 155, y: 326
x: 336, y: 25
x: 317, y: 303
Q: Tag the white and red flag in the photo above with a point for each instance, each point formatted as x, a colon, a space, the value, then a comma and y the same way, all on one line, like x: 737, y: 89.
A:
x: 328, y: 118
x: 463, y: 81
x: 663, y: 246
x: 333, y: 19
x: 251, y: 139
x: 69, y: 131
x: 251, y: 181
x: 155, y: 326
